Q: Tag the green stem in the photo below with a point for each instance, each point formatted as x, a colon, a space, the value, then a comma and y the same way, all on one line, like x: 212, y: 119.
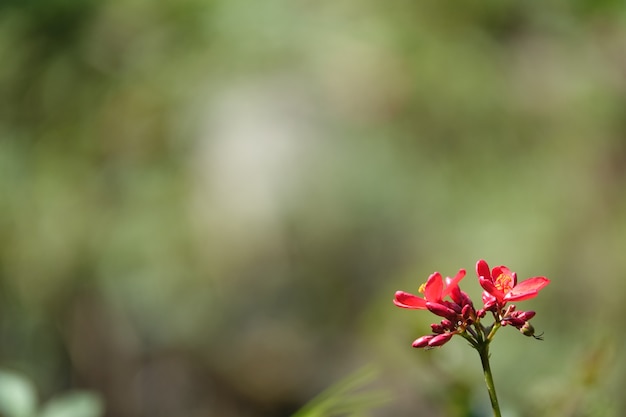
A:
x: 492, y: 331
x: 483, y: 351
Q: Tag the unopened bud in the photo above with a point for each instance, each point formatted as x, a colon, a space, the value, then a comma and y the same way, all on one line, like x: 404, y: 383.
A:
x: 422, y: 341
x: 437, y: 328
x: 510, y: 309
x: 513, y: 321
x: 447, y: 324
x: 454, y: 306
x: 441, y: 310
x: 468, y: 313
x: 466, y: 299
x: 440, y: 339
x: 528, y: 330
x: 526, y: 315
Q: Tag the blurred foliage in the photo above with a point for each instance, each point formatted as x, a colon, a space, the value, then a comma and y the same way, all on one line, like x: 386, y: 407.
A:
x: 207, y: 205
x: 349, y: 397
x: 18, y: 399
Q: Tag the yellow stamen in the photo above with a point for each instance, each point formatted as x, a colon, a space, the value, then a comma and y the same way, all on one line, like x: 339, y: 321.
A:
x: 422, y: 288
x: 504, y: 283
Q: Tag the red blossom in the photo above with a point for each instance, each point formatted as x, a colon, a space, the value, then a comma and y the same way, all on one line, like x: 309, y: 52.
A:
x: 434, y: 291
x: 501, y: 283
x: 458, y: 312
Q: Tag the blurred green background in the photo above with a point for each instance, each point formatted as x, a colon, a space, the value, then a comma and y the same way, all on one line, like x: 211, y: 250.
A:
x: 207, y: 205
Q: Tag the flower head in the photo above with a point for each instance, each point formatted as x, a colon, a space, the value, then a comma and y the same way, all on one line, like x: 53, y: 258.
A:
x: 500, y: 285
x: 434, y: 291
x: 456, y: 312
x: 445, y: 299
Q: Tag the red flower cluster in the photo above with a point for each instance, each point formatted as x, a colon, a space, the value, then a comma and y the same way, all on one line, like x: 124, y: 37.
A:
x: 458, y: 312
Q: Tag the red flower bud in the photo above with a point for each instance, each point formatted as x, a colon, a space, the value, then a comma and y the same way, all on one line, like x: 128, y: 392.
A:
x: 441, y: 310
x: 437, y: 328
x: 526, y: 315
x: 466, y: 299
x: 447, y: 324
x: 422, y: 341
x: 440, y: 339
x: 517, y: 318
x: 468, y: 312
x: 513, y: 321
x: 509, y: 310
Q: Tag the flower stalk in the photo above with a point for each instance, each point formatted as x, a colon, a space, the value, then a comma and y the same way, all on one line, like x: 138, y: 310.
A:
x: 483, y: 351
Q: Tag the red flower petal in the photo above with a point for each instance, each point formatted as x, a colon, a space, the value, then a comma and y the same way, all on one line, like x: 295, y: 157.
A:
x: 406, y: 300
x: 482, y: 269
x: 452, y: 285
x: 434, y: 287
x: 488, y: 298
x: 527, y: 289
x: 489, y: 302
x: 490, y: 288
x: 456, y: 295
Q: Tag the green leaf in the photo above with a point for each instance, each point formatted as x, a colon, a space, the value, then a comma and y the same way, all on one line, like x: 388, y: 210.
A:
x: 348, y: 397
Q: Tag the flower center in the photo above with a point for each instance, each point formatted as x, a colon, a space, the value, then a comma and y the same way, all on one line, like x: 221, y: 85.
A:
x: 504, y: 283
x: 422, y: 288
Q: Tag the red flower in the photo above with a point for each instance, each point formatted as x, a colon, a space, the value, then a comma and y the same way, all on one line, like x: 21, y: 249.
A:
x: 434, y: 291
x: 500, y: 283
x: 500, y: 286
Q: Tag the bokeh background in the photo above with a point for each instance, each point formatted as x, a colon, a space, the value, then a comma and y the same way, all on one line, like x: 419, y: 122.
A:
x: 207, y: 205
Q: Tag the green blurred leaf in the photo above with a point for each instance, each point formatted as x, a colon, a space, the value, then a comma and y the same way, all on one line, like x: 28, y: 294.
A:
x: 348, y: 397
x: 75, y: 404
x: 17, y: 395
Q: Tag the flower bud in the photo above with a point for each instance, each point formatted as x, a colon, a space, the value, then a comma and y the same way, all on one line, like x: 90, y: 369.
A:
x: 466, y: 299
x: 513, y: 321
x: 447, y: 324
x: 527, y: 329
x: 422, y: 341
x: 437, y: 328
x: 468, y: 313
x: 526, y: 315
x: 441, y: 310
x: 440, y: 339
x: 510, y: 309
